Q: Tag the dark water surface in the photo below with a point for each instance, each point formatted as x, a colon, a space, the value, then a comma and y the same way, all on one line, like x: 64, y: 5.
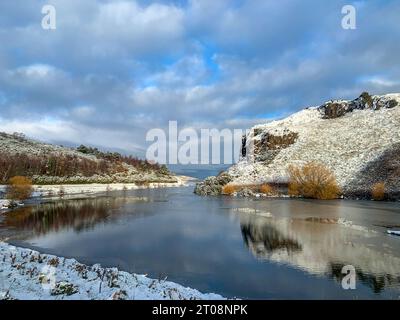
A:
x: 275, y: 248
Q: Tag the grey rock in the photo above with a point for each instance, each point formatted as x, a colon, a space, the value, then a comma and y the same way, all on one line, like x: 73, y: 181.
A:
x: 212, y: 186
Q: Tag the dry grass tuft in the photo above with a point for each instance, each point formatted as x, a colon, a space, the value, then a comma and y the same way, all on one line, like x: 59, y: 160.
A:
x: 19, y: 188
x: 267, y: 189
x: 378, y: 191
x: 314, y: 181
x: 229, y: 189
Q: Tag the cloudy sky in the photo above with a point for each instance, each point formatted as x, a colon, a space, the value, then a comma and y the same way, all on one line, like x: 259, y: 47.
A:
x: 114, y: 69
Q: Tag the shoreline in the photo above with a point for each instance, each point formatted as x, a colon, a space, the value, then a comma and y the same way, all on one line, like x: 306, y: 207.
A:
x: 213, y: 186
x: 29, y: 275
x: 71, y: 191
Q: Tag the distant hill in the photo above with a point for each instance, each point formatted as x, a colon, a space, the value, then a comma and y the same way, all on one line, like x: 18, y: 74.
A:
x: 51, y: 164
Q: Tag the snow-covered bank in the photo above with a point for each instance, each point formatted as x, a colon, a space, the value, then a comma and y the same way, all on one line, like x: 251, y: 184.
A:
x: 29, y: 275
x: 87, y: 189
x: 82, y: 190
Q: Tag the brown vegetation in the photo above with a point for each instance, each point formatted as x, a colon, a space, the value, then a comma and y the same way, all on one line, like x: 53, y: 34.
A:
x: 19, y: 188
x: 115, y: 157
x: 49, y: 165
x: 57, y: 165
x: 314, y: 181
x: 229, y: 189
x: 266, y: 189
x: 378, y: 191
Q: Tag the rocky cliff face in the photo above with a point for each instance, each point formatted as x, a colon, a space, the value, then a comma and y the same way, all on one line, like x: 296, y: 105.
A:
x: 359, y: 140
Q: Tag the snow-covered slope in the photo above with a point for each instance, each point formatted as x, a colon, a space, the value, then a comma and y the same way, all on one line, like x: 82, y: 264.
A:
x: 358, y: 140
x: 36, y: 157
x: 18, y: 144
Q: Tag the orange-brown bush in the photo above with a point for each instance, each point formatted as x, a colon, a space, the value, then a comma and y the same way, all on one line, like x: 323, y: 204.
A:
x: 378, y: 191
x: 19, y: 188
x: 267, y: 189
x: 314, y: 181
x: 229, y: 189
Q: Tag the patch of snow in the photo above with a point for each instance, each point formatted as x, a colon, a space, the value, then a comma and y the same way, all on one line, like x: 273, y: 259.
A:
x: 89, y: 189
x: 29, y: 275
x: 349, y: 224
x: 253, y: 211
x: 4, y: 204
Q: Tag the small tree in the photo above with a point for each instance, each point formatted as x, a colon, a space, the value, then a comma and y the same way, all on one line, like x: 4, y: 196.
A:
x: 313, y: 180
x: 19, y: 188
x: 378, y: 191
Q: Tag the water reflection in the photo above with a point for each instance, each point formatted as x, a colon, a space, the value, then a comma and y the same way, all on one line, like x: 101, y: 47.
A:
x: 377, y: 282
x: 321, y: 248
x: 78, y: 215
x: 196, y: 241
x: 265, y: 240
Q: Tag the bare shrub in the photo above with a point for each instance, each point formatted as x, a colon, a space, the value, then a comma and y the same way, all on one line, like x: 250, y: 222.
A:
x: 314, y: 181
x: 229, y: 189
x: 378, y: 191
x: 267, y: 189
x: 19, y: 188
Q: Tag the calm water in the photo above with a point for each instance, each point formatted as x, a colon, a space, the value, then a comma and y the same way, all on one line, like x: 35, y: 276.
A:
x: 276, y: 248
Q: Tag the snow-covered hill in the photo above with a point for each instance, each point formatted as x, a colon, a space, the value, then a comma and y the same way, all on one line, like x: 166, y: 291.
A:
x: 358, y: 140
x: 17, y: 143
x: 51, y: 164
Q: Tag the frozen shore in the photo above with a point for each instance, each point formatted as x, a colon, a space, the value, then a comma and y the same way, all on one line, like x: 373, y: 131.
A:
x: 29, y: 275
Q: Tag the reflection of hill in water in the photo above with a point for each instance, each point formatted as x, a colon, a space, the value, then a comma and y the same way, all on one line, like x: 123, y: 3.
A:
x: 65, y: 214
x: 267, y: 239
x: 320, y: 248
x: 377, y: 282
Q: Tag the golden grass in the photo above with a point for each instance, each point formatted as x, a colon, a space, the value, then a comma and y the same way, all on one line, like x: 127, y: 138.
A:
x: 314, y: 181
x: 19, y: 188
x: 267, y: 189
x: 228, y: 189
x: 378, y: 191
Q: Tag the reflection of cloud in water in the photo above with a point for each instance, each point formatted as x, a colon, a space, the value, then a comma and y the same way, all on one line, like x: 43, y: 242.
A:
x: 321, y: 249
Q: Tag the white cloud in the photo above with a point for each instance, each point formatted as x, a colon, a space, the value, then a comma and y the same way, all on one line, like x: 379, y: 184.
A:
x: 114, y: 69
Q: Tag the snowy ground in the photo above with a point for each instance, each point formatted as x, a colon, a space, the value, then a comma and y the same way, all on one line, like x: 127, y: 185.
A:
x: 82, y: 189
x: 29, y: 275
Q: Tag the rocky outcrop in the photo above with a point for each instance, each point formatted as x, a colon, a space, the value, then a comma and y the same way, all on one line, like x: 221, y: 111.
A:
x: 357, y: 140
x: 267, y: 145
x: 338, y: 108
x: 212, y: 186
